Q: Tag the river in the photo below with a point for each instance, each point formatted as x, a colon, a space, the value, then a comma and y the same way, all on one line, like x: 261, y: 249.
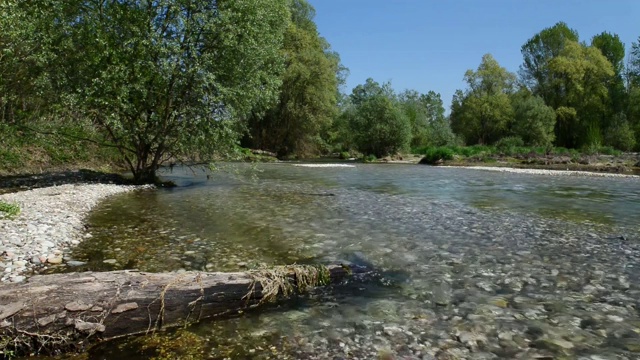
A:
x: 481, y: 264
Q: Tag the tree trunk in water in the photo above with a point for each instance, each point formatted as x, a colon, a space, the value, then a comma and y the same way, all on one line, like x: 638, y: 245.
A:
x: 62, y: 312
x: 146, y: 175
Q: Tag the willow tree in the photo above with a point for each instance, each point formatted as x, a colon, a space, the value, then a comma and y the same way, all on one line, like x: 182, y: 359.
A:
x: 163, y: 78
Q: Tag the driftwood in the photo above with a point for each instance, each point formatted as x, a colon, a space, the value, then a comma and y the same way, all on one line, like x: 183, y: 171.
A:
x: 60, y: 312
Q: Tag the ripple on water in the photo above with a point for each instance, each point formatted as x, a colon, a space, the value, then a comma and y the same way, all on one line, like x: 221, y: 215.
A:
x: 507, y: 281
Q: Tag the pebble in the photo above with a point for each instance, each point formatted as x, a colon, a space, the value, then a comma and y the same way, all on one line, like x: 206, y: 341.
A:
x: 546, y: 172
x: 50, y: 221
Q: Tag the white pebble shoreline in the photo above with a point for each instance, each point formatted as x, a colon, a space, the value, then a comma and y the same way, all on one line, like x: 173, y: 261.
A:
x: 325, y: 165
x: 49, y: 224
x: 545, y: 172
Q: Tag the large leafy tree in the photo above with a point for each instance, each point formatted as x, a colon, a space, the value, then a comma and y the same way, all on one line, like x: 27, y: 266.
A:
x: 612, y: 48
x: 482, y: 114
x: 537, y: 52
x: 165, y: 78
x: 309, y: 92
x: 416, y: 112
x: 534, y: 122
x: 581, y: 73
x: 376, y: 120
x: 426, y: 114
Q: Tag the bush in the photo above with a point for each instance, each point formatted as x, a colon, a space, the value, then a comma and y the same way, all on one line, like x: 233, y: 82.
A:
x: 609, y: 150
x: 379, y: 127
x: 434, y: 156
x: 620, y: 134
x: 509, y: 145
x: 370, y: 158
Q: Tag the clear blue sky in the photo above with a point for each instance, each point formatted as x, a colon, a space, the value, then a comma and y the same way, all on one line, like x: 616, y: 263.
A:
x: 429, y: 44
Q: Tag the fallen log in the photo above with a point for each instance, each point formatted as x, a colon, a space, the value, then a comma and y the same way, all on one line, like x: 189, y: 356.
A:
x: 67, y: 312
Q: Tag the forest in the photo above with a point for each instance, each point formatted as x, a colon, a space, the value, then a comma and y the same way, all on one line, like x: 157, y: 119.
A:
x: 144, y: 83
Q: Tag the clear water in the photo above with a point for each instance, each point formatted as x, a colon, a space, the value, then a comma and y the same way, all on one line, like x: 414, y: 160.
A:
x: 509, y: 252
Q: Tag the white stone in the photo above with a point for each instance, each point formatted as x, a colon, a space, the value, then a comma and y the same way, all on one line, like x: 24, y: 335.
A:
x: 51, y: 219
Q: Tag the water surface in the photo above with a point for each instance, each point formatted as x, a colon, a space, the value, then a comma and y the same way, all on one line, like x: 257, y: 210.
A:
x: 494, y: 264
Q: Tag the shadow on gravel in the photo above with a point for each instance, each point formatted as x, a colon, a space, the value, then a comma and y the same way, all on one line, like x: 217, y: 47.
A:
x: 26, y: 182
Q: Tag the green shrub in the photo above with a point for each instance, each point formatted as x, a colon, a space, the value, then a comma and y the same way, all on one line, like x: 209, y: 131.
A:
x: 609, y: 150
x: 620, y: 134
x: 509, y: 145
x: 8, y: 210
x: 380, y: 127
x: 370, y: 158
x: 345, y: 155
x: 435, y: 155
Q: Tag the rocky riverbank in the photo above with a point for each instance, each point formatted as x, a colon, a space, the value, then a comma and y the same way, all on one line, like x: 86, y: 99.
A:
x: 547, y: 171
x: 49, y: 224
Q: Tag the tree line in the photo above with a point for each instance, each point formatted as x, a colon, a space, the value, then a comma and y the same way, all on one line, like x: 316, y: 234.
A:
x: 190, y: 79
x: 567, y: 93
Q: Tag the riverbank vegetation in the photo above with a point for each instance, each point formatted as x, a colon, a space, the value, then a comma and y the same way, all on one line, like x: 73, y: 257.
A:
x: 8, y: 210
x: 141, y: 84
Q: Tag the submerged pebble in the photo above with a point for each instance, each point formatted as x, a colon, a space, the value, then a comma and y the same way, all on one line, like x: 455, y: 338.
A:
x: 464, y: 277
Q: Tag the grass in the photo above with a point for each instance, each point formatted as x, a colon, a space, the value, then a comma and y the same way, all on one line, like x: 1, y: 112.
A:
x: 8, y: 210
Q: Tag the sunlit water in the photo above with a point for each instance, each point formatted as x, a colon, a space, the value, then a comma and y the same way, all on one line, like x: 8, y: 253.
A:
x: 517, y: 261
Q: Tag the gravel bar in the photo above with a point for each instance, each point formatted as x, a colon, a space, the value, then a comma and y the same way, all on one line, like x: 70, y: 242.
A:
x: 49, y: 224
x: 546, y: 172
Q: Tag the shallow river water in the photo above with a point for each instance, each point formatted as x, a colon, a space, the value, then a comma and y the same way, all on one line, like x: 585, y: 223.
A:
x: 487, y: 265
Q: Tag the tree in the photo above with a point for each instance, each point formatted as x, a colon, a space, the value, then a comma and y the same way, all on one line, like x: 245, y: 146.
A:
x: 166, y: 78
x: 534, y: 122
x: 24, y: 52
x: 537, y: 52
x: 619, y: 134
x: 309, y: 93
x: 612, y: 48
x: 581, y: 74
x: 416, y: 112
x: 429, y: 125
x: 484, y: 112
x: 633, y: 89
x: 633, y: 67
x: 376, y: 120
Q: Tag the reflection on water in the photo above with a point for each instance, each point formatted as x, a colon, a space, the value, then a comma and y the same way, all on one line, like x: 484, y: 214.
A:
x: 493, y: 254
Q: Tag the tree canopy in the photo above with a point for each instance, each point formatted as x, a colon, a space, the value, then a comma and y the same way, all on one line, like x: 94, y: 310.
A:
x: 162, y: 78
x: 308, y: 97
x: 483, y: 112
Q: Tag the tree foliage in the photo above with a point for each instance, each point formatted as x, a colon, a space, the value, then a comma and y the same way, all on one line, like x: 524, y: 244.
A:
x: 612, y: 48
x: 161, y: 78
x: 534, y: 122
x: 581, y: 73
x: 619, y: 134
x: 378, y: 124
x: 482, y: 114
x: 426, y: 114
x: 308, y: 97
x: 537, y: 52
